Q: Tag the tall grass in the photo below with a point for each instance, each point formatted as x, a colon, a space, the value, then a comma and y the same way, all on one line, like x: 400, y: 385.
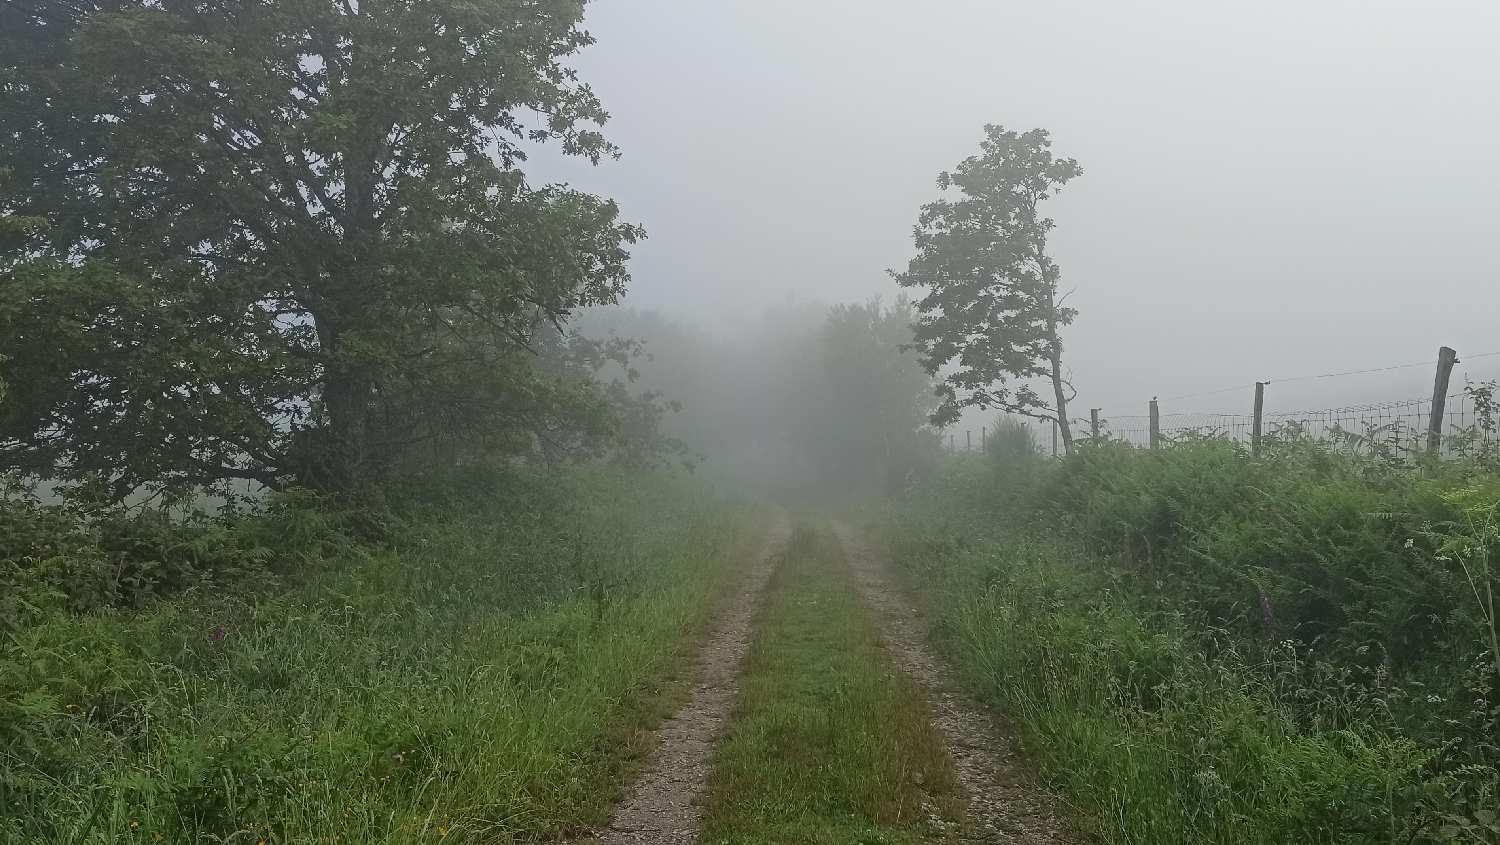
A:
x: 484, y: 674
x: 1201, y: 646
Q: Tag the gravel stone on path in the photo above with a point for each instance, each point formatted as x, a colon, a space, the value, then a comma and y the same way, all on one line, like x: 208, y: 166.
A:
x: 1004, y: 804
x: 661, y: 808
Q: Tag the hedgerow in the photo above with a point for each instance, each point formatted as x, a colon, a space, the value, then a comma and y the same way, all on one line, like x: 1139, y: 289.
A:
x: 1204, y: 645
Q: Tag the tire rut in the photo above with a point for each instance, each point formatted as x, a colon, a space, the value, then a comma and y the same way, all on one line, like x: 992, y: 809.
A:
x: 661, y: 807
x: 1004, y: 804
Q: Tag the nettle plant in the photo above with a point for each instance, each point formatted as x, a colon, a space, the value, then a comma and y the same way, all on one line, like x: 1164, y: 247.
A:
x: 1480, y: 440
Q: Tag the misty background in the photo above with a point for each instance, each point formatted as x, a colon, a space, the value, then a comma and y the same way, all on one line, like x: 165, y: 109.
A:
x: 1270, y: 190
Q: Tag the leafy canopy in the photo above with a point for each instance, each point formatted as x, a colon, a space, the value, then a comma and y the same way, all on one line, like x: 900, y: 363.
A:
x: 290, y: 241
x: 990, y: 313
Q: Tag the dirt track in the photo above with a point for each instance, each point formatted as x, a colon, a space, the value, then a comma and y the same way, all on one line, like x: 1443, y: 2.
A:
x: 1004, y: 805
x: 661, y: 807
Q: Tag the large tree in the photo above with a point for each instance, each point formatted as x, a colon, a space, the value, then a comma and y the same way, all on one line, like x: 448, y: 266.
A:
x: 288, y: 240
x: 990, y: 317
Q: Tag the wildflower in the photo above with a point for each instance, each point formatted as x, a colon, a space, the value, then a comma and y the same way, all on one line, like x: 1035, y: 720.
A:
x: 135, y: 824
x: 219, y: 634
x: 442, y: 831
x: 1265, y: 607
x: 398, y: 758
x: 68, y: 707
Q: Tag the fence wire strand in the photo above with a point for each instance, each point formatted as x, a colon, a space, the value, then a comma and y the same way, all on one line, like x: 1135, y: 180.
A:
x: 1402, y: 424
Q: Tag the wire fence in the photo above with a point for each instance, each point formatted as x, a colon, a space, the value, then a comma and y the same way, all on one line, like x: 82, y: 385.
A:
x: 1468, y: 424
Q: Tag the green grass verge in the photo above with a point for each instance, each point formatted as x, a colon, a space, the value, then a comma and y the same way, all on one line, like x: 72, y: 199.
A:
x: 1208, y: 645
x: 828, y: 744
x: 1152, y: 741
x: 487, y: 678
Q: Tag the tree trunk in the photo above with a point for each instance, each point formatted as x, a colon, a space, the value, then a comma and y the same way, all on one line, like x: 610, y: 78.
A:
x: 336, y: 456
x: 1058, y: 391
x: 1054, y: 348
x: 346, y: 398
x: 341, y: 457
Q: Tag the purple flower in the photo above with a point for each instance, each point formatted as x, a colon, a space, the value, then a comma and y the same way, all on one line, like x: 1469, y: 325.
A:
x: 398, y: 758
x: 219, y: 634
x: 1265, y: 607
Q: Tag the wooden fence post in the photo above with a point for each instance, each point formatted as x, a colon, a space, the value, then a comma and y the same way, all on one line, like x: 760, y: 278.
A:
x: 950, y: 444
x: 1094, y: 423
x: 984, y: 442
x: 969, y: 440
x: 1155, y: 425
x: 1260, y: 407
x: 1446, y: 359
x: 1054, y: 438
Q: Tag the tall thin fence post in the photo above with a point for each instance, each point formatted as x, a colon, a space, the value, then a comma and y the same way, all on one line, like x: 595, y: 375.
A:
x: 984, y: 442
x: 1155, y: 425
x: 969, y: 441
x: 1446, y: 359
x: 1054, y: 438
x: 1094, y: 423
x: 1260, y: 407
x: 950, y: 444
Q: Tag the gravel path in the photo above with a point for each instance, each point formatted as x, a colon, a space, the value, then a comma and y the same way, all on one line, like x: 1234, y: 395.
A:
x: 661, y: 808
x: 1003, y: 803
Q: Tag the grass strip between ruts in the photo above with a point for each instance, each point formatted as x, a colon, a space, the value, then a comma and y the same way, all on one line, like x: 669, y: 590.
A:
x: 828, y: 743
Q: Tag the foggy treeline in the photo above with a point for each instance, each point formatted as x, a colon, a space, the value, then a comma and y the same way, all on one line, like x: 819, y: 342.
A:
x: 805, y: 396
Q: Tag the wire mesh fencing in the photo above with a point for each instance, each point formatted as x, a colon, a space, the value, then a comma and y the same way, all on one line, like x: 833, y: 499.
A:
x: 1467, y: 424
x: 1394, y: 429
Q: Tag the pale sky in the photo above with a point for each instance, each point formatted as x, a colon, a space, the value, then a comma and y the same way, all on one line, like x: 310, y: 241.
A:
x: 1270, y: 189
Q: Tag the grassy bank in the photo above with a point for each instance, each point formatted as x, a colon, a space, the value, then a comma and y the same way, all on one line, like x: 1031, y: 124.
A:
x: 479, y: 671
x: 827, y: 745
x: 1198, y: 646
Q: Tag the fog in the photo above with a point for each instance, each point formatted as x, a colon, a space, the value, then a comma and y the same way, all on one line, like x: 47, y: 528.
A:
x: 1270, y: 190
